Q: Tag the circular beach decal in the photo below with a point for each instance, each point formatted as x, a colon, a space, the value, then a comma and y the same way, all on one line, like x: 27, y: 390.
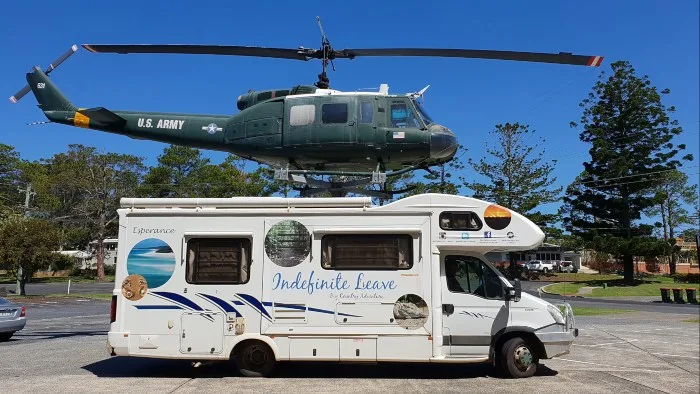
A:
x: 153, y: 259
x: 497, y: 217
x: 410, y: 311
x: 134, y: 287
x: 288, y: 243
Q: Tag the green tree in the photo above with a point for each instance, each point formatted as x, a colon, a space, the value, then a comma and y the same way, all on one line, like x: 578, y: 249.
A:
x: 518, y: 172
x: 176, y: 175
x: 26, y: 246
x: 10, y: 176
x: 670, y: 196
x: 81, y: 188
x: 631, y: 133
x: 183, y: 172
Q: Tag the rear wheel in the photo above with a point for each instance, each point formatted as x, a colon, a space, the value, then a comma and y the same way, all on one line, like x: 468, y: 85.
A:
x: 517, y: 358
x: 5, y: 336
x: 255, y: 359
x: 545, y: 270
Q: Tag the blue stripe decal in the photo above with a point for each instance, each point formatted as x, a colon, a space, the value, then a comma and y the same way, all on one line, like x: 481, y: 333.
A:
x: 267, y: 303
x: 238, y: 302
x: 157, y: 307
x: 178, y: 298
x: 221, y: 303
x: 254, y: 302
x: 331, y: 312
x: 301, y: 308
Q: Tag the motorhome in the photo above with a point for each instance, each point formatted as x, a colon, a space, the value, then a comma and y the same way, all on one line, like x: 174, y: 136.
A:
x: 257, y: 281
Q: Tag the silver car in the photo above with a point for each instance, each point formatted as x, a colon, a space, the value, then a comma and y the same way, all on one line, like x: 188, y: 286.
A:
x: 12, y: 319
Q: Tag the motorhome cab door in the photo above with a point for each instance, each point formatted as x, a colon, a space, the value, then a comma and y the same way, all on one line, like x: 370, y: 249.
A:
x: 473, y: 304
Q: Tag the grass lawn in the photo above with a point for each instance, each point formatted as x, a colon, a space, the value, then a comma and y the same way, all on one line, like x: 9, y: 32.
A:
x: 617, y: 288
x: 98, y: 296
x: 585, y: 311
x: 692, y: 321
x: 577, y: 277
x: 6, y: 280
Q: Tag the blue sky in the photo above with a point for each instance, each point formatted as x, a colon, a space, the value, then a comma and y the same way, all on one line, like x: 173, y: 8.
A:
x: 659, y: 38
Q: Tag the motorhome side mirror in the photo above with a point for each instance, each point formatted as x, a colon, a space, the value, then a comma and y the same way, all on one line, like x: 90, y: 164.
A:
x: 515, y: 292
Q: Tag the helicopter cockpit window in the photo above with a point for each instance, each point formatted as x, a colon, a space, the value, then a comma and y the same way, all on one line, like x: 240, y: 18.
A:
x: 334, y: 113
x: 423, y: 114
x: 302, y: 115
x: 366, y: 112
x: 402, y: 116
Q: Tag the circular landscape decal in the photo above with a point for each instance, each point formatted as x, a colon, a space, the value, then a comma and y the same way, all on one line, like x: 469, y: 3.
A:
x: 288, y: 243
x: 497, y: 217
x: 410, y: 311
x: 153, y: 259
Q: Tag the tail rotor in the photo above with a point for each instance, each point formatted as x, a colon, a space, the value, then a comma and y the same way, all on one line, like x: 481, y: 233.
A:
x: 22, y: 92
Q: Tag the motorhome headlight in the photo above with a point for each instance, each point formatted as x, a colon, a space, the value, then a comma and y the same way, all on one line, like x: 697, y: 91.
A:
x: 556, y: 314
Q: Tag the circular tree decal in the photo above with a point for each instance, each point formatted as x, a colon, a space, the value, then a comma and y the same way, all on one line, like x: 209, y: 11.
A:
x: 153, y: 259
x: 288, y: 243
x: 410, y: 311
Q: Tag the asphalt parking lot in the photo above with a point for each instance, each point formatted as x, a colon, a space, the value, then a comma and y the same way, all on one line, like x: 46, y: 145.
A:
x: 62, y: 349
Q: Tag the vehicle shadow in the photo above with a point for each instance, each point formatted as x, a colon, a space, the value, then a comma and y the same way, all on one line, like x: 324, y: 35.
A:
x: 162, y: 368
x: 46, y: 335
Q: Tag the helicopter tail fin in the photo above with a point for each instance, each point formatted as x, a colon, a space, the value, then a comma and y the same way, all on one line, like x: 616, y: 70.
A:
x: 47, y: 94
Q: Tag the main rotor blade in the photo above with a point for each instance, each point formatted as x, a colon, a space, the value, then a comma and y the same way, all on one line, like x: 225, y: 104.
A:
x: 284, y: 53
x: 560, y: 58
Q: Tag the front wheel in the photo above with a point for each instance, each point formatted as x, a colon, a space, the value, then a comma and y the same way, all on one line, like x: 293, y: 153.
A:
x: 517, y: 359
x: 255, y: 359
x: 545, y: 270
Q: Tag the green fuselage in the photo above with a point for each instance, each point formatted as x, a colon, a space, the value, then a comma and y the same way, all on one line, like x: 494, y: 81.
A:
x: 323, y: 130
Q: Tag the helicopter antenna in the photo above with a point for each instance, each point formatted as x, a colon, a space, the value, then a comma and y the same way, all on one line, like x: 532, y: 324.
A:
x: 327, y: 50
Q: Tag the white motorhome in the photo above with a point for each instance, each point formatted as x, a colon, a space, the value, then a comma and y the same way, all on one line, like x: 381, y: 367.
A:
x: 264, y: 280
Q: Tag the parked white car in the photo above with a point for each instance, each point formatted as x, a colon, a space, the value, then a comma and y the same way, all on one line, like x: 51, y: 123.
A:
x: 541, y: 266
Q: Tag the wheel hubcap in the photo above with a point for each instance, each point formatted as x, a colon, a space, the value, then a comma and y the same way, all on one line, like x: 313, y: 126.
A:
x: 257, y: 356
x: 523, y: 358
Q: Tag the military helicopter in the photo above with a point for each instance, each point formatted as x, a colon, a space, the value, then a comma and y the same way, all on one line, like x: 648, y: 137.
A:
x: 302, y: 132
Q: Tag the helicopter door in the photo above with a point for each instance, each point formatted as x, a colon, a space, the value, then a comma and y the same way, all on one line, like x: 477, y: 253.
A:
x: 366, y: 126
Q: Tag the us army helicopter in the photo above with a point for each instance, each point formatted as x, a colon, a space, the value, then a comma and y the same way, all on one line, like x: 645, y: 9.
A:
x: 301, y: 132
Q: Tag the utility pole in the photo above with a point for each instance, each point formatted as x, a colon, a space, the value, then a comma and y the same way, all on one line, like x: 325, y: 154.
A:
x: 28, y: 193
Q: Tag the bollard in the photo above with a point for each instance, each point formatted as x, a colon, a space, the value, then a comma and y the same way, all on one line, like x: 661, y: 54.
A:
x: 678, y: 296
x: 68, y: 286
x: 664, y: 295
x: 691, y: 295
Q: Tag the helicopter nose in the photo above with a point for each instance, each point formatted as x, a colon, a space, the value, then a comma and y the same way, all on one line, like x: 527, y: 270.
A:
x: 443, y: 143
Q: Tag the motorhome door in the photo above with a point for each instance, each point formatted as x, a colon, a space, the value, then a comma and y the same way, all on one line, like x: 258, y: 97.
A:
x: 473, y: 305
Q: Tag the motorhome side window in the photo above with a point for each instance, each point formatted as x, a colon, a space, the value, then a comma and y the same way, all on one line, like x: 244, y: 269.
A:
x: 367, y: 251
x: 465, y: 274
x: 218, y: 260
x: 460, y: 221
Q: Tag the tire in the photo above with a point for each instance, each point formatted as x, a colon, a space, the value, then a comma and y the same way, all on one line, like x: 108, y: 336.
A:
x: 517, y: 359
x: 5, y: 336
x: 545, y: 270
x: 255, y: 359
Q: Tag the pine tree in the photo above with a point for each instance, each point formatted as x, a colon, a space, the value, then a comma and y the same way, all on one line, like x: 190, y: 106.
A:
x: 631, y: 133
x: 518, y: 172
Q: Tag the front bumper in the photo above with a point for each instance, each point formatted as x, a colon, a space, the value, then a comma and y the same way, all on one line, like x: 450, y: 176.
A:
x: 12, y: 325
x: 557, y: 338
